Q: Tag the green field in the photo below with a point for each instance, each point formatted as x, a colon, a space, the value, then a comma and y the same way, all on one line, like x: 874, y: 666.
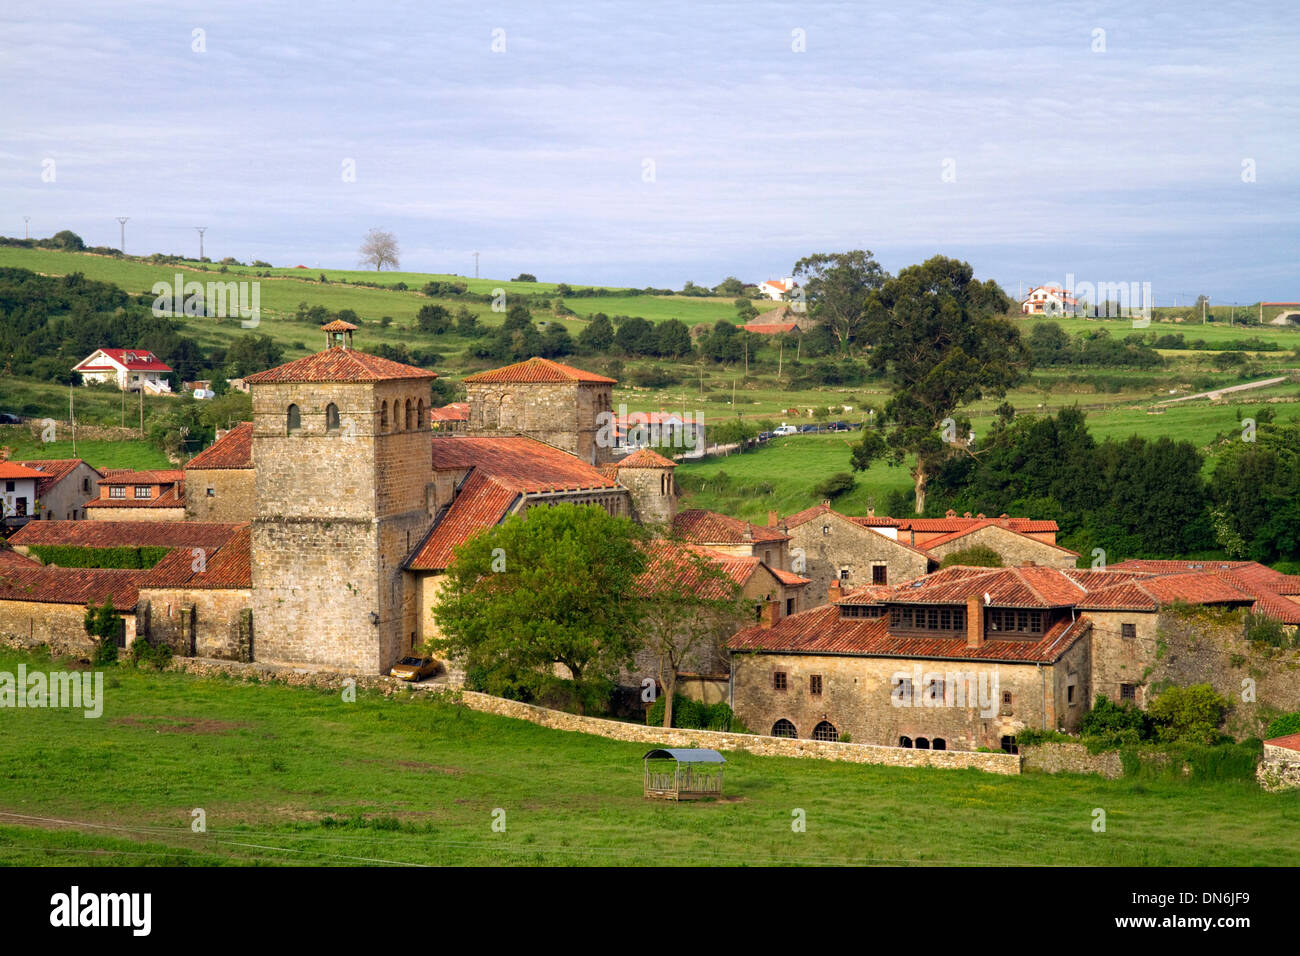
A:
x: 298, y: 776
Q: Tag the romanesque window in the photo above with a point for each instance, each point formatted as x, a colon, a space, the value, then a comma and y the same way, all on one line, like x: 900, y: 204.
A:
x: 922, y: 743
x: 935, y: 690
x: 331, y: 418
x: 783, y: 728
x: 905, y: 742
x: 903, y: 688
x: 383, y: 417
x: 410, y: 419
x: 778, y: 680
x: 939, y: 744
x: 294, y: 419
x: 419, y: 416
x: 825, y: 731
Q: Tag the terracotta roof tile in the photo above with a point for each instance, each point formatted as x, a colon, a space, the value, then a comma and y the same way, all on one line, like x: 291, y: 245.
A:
x: 979, y: 526
x: 538, y: 370
x: 788, y: 578
x: 338, y: 325
x: 708, y: 527
x: 172, y: 497
x: 669, y: 569
x: 524, y: 464
x: 232, y: 450
x: 229, y: 566
x: 9, y: 558
x: 126, y: 476
x: 1289, y: 742
x: 645, y: 458
x: 339, y: 364
x: 55, y: 470
x: 481, y: 502
x: 136, y: 534
x: 945, y: 525
x: 71, y: 586
x: 14, y: 471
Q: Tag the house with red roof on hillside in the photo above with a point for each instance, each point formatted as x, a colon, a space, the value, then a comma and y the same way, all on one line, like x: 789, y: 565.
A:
x: 67, y: 485
x: 132, y: 369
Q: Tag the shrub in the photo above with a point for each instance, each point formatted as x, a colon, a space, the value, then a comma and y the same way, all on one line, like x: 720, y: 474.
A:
x: 102, y: 624
x: 977, y: 556
x: 840, y: 483
x: 1283, y: 726
x: 145, y: 651
x: 1188, y: 714
x: 1117, y: 723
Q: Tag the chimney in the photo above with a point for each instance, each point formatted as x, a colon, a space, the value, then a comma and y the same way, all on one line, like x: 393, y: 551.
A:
x: 772, y: 613
x: 4, y: 453
x: 966, y: 515
x: 771, y: 519
x: 974, y: 621
x: 871, y: 512
x: 834, y: 592
x: 1004, y: 521
x: 950, y: 513
x: 980, y: 516
x: 826, y: 502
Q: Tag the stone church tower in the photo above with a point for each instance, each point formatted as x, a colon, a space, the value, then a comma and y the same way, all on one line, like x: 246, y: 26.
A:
x: 344, y: 486
x: 648, y: 475
x: 563, y: 406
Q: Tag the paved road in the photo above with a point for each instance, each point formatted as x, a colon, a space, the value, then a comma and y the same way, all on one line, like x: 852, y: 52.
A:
x: 1220, y: 392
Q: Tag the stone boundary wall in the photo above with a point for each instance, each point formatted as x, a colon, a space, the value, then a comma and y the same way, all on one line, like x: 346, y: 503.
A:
x: 1071, y: 758
x: 1279, y: 770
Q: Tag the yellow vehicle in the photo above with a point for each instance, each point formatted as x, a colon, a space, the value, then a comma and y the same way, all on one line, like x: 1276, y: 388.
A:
x: 414, y: 668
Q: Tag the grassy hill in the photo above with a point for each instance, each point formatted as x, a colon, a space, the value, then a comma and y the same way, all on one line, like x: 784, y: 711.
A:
x: 298, y: 776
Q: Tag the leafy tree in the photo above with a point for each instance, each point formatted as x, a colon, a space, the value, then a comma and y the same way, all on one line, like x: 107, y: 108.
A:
x: 729, y: 286
x: 723, y: 344
x: 379, y: 248
x: 636, y: 336
x: 1190, y: 714
x: 556, y: 342
x: 467, y: 323
x: 433, y: 319
x: 556, y: 588
x: 103, y: 626
x: 1118, y: 723
x: 252, y: 353
x: 686, y: 602
x: 598, y: 336
x: 837, y: 286
x: 67, y: 239
x: 745, y: 310
x: 1255, y: 489
x: 672, y: 339
x: 934, y: 336
x: 524, y: 277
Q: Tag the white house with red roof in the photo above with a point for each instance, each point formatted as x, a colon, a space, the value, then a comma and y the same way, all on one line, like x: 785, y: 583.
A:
x: 777, y: 289
x: 132, y: 369
x: 17, y: 493
x: 1049, y: 300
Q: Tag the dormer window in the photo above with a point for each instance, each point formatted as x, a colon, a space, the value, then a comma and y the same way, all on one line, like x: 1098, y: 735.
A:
x: 331, y: 418
x: 294, y: 420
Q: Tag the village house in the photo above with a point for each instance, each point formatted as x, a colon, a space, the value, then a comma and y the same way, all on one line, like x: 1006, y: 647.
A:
x: 967, y: 657
x: 777, y: 289
x: 450, y: 419
x: 126, y: 494
x: 17, y: 494
x: 132, y: 369
x: 220, y: 481
x: 1049, y: 300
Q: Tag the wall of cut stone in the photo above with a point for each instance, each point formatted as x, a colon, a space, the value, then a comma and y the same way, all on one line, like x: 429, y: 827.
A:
x: 852, y: 546
x: 233, y: 498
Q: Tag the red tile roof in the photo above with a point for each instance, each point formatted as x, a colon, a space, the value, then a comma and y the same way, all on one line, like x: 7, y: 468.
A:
x: 481, y: 502
x: 228, y: 566
x: 823, y: 631
x: 645, y: 458
x: 9, y: 558
x: 708, y: 527
x: 1251, y: 572
x: 670, y: 570
x: 524, y: 464
x: 71, y: 586
x: 339, y: 364
x: 126, y: 476
x: 55, y: 470
x: 539, y: 370
x: 455, y: 412
x: 11, y: 470
x: 232, y: 450
x: 338, y: 325
x: 136, y: 534
x: 1006, y: 587
x: 788, y: 578
x: 1289, y: 742
x: 947, y: 524
x: 872, y: 521
x: 136, y: 360
x: 770, y: 328
x: 987, y: 523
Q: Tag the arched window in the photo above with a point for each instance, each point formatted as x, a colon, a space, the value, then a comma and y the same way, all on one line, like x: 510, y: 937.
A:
x: 939, y: 744
x: 825, y: 731
x: 410, y: 422
x: 922, y: 743
x: 295, y: 419
x: 331, y: 418
x: 905, y: 742
x: 419, y: 415
x: 783, y: 728
x: 383, y: 417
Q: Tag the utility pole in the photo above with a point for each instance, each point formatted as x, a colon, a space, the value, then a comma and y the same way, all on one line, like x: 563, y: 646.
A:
x: 142, y: 411
x: 121, y: 246
x: 26, y: 220
x: 201, y: 230
x: 476, y: 265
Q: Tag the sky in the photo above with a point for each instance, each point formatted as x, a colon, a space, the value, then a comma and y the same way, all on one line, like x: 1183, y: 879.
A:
x: 647, y: 144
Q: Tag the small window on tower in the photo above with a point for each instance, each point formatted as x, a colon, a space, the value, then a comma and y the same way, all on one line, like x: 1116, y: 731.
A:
x: 294, y: 419
x: 383, y: 417
x: 331, y: 418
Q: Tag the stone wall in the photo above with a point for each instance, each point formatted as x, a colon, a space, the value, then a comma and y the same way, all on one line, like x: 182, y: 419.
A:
x: 1015, y: 549
x: 61, y: 627
x: 1279, y: 770
x: 1071, y: 758
x: 562, y: 414
x: 654, y: 500
x: 857, y: 697
x: 233, y: 498
x: 207, y: 622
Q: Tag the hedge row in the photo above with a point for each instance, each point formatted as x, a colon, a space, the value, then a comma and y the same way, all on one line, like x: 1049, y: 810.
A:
x: 79, y: 556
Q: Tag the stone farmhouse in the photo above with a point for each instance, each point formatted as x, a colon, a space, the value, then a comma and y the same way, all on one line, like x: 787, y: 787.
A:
x: 141, y: 495
x: 967, y: 657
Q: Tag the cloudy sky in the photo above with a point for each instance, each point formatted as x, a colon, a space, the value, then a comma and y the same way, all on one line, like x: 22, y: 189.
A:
x: 634, y: 143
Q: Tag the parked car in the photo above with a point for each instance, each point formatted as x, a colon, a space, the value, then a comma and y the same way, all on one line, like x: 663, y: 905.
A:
x: 787, y: 430
x: 764, y: 436
x: 414, y: 668
x: 807, y: 428
x: 8, y: 418
x: 839, y: 426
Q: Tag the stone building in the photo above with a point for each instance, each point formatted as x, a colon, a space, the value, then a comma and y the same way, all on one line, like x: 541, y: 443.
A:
x: 827, y: 547
x: 220, y: 481
x: 648, y: 476
x: 1280, y: 768
x: 344, y: 486
x: 128, y: 495
x: 566, y: 407
x: 1012, y: 546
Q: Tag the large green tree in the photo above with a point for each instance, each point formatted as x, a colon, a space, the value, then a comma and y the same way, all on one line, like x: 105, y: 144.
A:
x: 554, y: 586
x: 939, y: 335
x: 837, y: 285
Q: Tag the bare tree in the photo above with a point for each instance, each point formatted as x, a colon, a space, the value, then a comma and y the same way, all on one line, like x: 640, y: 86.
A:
x: 379, y: 249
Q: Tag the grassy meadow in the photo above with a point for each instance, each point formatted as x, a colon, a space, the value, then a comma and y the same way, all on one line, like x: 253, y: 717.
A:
x: 298, y: 776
